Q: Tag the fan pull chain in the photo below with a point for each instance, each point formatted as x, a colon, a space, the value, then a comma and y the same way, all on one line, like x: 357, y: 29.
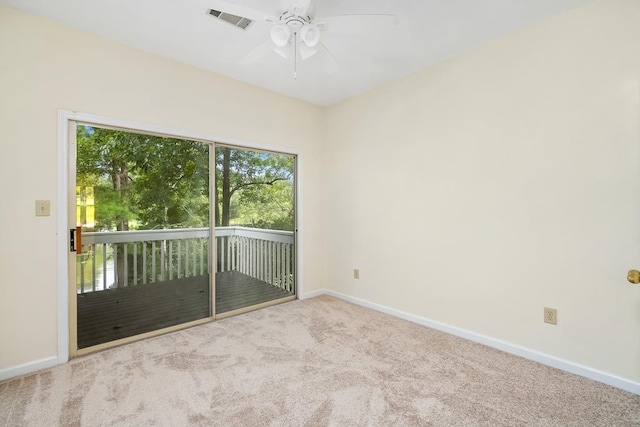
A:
x: 295, y: 56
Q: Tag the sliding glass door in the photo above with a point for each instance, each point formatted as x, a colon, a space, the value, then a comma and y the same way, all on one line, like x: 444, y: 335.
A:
x: 143, y: 254
x: 255, y: 228
x: 143, y: 236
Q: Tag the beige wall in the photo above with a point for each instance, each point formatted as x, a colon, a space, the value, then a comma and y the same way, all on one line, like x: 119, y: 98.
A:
x: 472, y: 193
x: 45, y: 67
x: 479, y: 190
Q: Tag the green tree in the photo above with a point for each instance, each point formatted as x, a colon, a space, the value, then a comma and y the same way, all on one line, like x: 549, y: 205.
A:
x: 172, y: 184
x: 270, y: 207
x: 104, y: 163
x: 254, y: 180
x: 159, y: 182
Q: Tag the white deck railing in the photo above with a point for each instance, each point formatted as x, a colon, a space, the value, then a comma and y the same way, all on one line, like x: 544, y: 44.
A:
x: 129, y: 258
x: 266, y: 255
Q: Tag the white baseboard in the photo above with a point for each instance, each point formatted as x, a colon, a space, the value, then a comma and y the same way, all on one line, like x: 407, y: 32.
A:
x: 543, y: 358
x: 313, y: 294
x: 27, y: 368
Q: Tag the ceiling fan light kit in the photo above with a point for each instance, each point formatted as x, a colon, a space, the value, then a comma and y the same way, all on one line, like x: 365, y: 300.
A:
x: 280, y: 35
x: 297, y: 27
x: 310, y: 34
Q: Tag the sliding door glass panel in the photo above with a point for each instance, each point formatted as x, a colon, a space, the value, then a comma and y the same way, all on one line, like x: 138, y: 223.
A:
x: 142, y: 203
x: 255, y: 223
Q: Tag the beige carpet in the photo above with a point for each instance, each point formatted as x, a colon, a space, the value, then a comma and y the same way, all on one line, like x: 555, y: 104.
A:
x: 315, y: 362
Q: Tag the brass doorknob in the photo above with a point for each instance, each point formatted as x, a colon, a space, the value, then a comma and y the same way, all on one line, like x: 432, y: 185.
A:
x: 633, y: 276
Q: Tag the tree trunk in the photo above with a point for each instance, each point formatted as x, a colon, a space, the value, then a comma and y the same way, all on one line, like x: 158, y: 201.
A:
x: 120, y: 183
x: 217, y: 209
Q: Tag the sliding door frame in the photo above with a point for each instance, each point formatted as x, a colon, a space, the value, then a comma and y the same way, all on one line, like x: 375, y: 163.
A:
x: 67, y: 121
x: 296, y: 294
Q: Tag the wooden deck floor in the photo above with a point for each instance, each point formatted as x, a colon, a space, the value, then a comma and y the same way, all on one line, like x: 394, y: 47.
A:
x: 235, y: 290
x: 113, y: 314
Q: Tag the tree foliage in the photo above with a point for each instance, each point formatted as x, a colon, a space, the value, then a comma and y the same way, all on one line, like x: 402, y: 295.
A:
x: 254, y: 189
x: 152, y: 182
x: 156, y: 182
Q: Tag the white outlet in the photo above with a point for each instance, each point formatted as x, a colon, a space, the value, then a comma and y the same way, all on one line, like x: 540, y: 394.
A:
x: 356, y: 273
x: 550, y: 316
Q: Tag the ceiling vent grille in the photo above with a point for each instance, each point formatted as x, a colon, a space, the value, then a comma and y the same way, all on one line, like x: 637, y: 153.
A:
x: 236, y: 21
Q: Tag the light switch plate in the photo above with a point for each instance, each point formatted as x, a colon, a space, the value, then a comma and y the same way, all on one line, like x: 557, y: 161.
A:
x: 43, y: 208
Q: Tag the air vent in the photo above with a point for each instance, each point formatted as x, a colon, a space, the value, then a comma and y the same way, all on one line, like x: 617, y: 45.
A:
x: 236, y: 21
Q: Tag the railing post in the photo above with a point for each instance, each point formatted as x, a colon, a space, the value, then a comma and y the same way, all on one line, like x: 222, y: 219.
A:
x: 93, y: 267
x: 114, y: 247
x: 222, y: 253
x: 286, y: 267
x: 125, y: 264
x: 144, y: 263
x: 170, y: 259
x: 234, y: 248
x: 135, y: 263
x: 153, y: 262
x: 201, y: 257
x: 194, y: 269
x: 179, y: 260
x: 81, y: 258
x: 104, y: 266
x: 163, y: 260
x: 186, y: 258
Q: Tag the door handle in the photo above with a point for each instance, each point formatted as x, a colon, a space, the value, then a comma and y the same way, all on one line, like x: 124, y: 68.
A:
x: 633, y: 277
x: 75, y: 240
x: 78, y: 240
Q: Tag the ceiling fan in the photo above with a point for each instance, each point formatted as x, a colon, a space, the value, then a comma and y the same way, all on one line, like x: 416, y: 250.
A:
x: 297, y: 32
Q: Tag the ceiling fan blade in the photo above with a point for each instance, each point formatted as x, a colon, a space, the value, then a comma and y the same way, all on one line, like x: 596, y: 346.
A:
x: 283, y: 51
x: 258, y: 53
x: 357, y: 24
x: 329, y: 63
x: 243, y: 11
x: 307, y: 52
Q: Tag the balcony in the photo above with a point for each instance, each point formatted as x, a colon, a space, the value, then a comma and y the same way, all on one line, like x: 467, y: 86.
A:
x: 132, y: 282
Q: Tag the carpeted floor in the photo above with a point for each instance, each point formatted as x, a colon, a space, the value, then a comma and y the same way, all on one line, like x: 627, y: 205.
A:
x: 310, y: 363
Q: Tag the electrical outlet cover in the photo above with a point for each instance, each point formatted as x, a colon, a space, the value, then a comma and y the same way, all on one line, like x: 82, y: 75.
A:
x: 550, y: 316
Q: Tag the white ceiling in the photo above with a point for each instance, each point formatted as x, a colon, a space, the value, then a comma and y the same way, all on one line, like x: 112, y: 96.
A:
x: 427, y: 32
